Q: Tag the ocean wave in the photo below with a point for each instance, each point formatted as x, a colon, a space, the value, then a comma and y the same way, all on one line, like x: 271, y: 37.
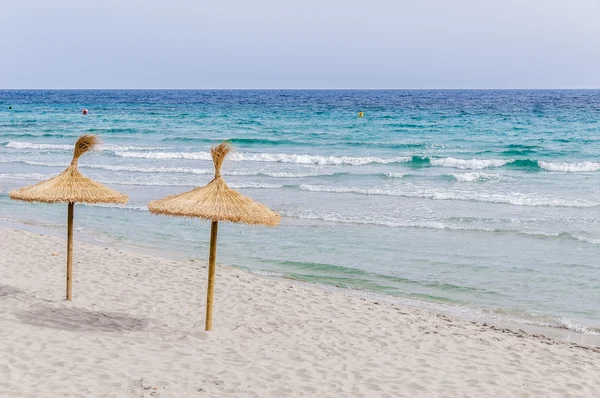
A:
x: 138, y: 181
x: 126, y: 168
x: 518, y: 164
x: 30, y: 135
x: 385, y: 221
x: 570, y: 167
x: 523, y: 318
x: 178, y: 170
x: 189, y: 170
x: 278, y: 142
x: 395, y: 175
x: 28, y: 145
x: 568, y: 324
x: 242, y: 141
x: 114, y: 206
x: 69, y: 147
x: 307, y: 159
x: 515, y: 199
x: 473, y: 164
x: 561, y: 235
x: 472, y: 177
x: 520, y: 149
x: 414, y: 161
x: 269, y: 157
x: 112, y: 130
x: 378, y: 220
x: 265, y: 273
x: 24, y: 176
x: 415, y: 145
x: 171, y: 183
x: 593, y: 241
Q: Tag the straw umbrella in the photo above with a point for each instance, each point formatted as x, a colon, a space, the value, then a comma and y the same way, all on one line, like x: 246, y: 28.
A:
x: 70, y: 186
x: 215, y: 202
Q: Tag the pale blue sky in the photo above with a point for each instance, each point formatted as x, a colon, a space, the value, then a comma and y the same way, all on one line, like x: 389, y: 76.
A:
x: 300, y: 44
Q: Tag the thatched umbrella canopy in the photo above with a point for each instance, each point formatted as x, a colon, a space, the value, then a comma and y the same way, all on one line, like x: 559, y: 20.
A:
x: 70, y: 186
x: 215, y: 202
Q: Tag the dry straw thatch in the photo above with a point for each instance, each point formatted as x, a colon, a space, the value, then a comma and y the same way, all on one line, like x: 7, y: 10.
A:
x: 215, y: 202
x: 70, y: 186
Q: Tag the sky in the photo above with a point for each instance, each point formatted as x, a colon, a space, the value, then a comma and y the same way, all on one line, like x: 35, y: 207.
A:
x: 196, y: 44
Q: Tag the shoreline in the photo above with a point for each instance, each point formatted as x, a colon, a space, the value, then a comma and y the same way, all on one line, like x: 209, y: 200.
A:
x: 552, y: 332
x: 555, y: 332
x: 135, y: 328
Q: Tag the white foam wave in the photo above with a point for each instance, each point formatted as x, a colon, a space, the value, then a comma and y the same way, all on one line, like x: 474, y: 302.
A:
x: 593, y: 241
x: 184, y: 170
x: 570, y: 167
x: 269, y: 157
x: 394, y: 175
x: 115, y: 206
x: 515, y: 199
x: 138, y: 181
x: 570, y: 325
x: 167, y: 155
x: 69, y: 147
x: 280, y: 174
x: 28, y: 145
x: 256, y: 185
x: 35, y: 163
x: 472, y: 177
x: 24, y: 176
x: 171, y: 183
x: 137, y: 169
x: 473, y: 164
x: 379, y: 220
x: 386, y: 221
x: 161, y: 183
x: 266, y: 273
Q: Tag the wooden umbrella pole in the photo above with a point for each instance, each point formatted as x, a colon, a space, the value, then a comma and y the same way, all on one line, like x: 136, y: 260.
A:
x: 70, y: 252
x: 211, y: 274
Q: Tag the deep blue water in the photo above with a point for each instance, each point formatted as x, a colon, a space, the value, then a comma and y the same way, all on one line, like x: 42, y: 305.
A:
x: 484, y: 203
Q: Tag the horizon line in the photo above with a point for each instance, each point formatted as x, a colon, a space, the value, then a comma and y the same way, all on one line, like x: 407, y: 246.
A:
x: 304, y: 89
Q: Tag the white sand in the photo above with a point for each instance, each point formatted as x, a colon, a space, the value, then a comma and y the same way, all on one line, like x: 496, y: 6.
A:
x: 135, y: 329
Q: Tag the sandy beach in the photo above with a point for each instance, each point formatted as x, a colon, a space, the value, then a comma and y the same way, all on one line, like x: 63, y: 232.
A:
x: 135, y: 329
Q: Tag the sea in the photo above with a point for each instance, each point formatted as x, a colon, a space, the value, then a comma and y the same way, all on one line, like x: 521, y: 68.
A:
x: 482, y: 204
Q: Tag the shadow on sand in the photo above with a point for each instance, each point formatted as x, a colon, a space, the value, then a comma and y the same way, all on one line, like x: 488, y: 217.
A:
x: 81, y: 319
x: 5, y: 290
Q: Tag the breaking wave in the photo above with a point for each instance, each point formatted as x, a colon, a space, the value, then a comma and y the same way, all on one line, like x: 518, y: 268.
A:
x: 472, y: 177
x: 386, y: 221
x: 570, y: 167
x: 183, y: 170
x: 69, y: 147
x: 269, y: 157
x: 395, y: 175
x: 138, y: 181
x: 472, y: 164
x: 515, y: 199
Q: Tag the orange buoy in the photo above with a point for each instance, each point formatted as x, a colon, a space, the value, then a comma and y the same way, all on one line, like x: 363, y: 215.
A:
x: 84, y: 111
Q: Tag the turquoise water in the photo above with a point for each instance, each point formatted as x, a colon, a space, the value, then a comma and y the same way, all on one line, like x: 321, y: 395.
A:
x: 481, y: 203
